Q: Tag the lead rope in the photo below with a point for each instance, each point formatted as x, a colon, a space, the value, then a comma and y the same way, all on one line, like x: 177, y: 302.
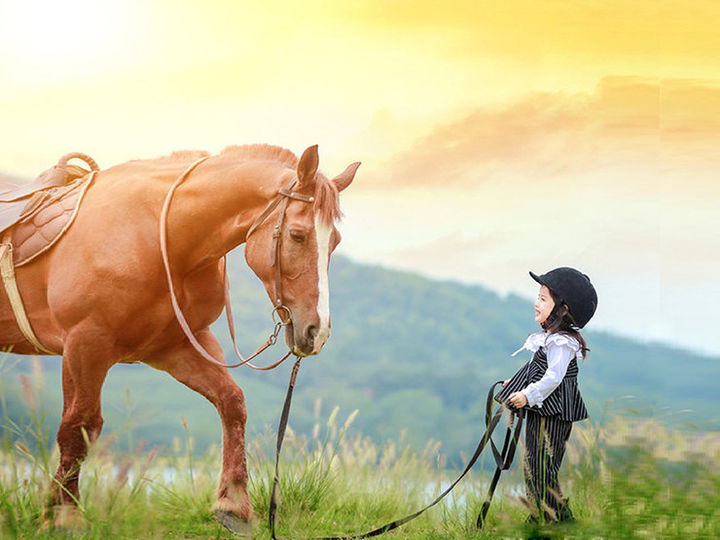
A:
x: 278, y: 445
x: 503, y: 459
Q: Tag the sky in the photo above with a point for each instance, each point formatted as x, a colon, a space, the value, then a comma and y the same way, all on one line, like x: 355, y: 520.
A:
x: 495, y: 137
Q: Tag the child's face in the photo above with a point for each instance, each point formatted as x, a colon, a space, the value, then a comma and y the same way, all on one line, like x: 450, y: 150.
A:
x: 544, y: 304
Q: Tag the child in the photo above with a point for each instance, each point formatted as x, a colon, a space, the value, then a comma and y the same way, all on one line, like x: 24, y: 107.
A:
x: 547, y: 385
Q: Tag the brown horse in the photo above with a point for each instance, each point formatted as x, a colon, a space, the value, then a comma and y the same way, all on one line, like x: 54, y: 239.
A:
x: 100, y: 296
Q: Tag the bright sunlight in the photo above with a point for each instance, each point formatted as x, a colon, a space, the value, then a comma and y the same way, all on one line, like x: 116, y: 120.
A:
x: 37, y: 37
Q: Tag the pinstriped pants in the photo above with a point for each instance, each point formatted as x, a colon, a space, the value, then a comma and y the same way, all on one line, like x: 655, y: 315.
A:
x: 545, y: 439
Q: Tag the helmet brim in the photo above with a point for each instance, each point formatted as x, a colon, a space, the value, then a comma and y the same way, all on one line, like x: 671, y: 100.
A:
x: 542, y: 281
x: 537, y: 278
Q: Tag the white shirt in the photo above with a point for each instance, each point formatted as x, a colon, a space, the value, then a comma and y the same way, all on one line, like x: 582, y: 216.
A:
x: 560, y: 350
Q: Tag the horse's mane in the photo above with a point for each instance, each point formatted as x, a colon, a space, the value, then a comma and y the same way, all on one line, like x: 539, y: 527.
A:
x: 262, y: 152
x: 182, y: 156
x: 327, y: 198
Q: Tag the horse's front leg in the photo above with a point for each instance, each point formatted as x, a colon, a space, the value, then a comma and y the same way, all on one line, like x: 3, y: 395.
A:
x: 84, y: 368
x: 232, y: 507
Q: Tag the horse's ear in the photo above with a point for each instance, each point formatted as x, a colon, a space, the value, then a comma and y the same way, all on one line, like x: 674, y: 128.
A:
x: 344, y: 179
x: 308, y: 165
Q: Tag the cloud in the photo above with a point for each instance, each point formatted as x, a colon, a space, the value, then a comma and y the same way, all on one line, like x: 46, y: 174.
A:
x: 625, y: 119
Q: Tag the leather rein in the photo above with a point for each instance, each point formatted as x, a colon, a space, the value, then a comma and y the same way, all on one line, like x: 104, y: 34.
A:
x: 503, y: 460
x: 283, y: 199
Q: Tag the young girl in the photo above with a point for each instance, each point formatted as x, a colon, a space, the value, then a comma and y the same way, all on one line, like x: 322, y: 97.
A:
x: 547, y: 385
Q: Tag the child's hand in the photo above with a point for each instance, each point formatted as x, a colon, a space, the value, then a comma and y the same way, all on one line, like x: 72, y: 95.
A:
x: 505, y: 382
x: 518, y: 399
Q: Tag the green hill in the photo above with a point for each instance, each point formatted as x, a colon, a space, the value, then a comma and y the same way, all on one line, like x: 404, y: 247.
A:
x: 410, y: 353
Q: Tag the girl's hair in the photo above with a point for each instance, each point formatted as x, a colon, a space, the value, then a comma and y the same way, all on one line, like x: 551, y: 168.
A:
x: 564, y: 323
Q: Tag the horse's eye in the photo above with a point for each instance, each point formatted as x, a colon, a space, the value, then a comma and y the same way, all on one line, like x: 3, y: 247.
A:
x: 297, y: 235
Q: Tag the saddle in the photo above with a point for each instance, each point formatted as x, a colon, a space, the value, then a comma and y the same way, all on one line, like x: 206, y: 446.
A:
x: 34, y: 216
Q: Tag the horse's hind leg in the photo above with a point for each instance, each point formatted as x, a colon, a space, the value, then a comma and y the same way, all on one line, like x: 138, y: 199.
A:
x: 83, y: 373
x: 232, y: 508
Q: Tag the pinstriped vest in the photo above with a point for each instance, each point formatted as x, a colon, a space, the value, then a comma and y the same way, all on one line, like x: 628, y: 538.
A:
x: 565, y: 401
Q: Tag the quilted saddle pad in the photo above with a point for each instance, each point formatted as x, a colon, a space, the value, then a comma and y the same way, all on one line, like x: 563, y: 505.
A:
x: 46, y: 218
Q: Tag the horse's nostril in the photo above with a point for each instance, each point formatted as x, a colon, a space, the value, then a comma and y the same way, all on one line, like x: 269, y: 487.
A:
x: 310, y: 333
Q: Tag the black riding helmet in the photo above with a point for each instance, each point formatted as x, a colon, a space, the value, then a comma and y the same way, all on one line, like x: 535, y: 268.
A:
x: 572, y: 288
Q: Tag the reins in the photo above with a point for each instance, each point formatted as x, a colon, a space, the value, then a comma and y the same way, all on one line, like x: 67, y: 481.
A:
x: 282, y: 198
x: 503, y: 460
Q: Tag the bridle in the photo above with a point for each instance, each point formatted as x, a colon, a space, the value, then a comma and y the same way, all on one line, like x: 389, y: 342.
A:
x: 283, y: 197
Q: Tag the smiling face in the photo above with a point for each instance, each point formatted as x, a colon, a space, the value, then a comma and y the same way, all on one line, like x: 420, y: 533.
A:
x: 544, y: 305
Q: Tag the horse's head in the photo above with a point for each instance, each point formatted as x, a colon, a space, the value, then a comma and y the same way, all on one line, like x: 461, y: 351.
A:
x: 307, y: 237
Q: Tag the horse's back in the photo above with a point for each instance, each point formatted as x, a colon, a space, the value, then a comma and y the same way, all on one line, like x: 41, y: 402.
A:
x: 114, y: 247
x: 107, y: 266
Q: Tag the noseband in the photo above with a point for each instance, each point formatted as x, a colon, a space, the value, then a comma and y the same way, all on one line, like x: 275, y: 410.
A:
x: 283, y: 199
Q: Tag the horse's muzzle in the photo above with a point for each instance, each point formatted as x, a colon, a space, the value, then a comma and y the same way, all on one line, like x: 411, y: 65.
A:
x: 303, y: 342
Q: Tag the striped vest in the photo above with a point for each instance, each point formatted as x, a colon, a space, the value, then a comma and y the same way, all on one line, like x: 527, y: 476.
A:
x: 565, y: 401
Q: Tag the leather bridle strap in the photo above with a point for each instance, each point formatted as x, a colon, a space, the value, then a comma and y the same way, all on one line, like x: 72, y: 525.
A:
x: 283, y: 195
x: 283, y: 199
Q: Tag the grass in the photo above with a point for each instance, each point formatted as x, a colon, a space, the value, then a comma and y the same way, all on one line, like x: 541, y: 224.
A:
x: 630, y: 478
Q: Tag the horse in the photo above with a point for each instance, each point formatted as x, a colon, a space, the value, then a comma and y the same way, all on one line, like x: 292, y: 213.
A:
x: 103, y: 294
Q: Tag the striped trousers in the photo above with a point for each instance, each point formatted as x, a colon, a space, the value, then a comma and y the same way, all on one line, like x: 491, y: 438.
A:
x: 545, y: 440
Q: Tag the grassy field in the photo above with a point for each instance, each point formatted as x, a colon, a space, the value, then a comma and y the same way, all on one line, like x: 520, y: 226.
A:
x: 629, y: 478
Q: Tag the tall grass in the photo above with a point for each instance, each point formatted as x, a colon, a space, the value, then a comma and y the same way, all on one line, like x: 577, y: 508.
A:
x: 626, y: 479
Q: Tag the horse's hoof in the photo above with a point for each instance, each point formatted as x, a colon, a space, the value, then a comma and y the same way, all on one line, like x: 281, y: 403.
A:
x: 234, y: 523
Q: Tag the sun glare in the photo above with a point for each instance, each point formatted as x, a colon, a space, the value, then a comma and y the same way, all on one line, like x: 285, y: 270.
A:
x: 49, y: 40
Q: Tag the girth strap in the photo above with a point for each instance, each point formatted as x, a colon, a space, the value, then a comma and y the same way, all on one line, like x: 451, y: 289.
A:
x: 7, y: 268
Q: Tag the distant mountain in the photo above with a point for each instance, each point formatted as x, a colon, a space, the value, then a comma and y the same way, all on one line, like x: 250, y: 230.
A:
x: 410, y: 353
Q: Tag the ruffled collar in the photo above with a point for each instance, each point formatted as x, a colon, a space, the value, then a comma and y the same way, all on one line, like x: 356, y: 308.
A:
x: 542, y: 339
